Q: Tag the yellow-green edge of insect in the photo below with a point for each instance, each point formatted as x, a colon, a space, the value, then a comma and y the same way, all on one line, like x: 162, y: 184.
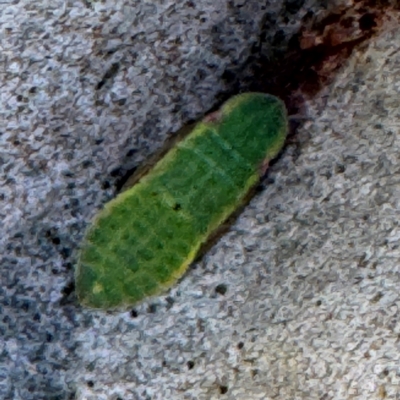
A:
x: 143, y: 241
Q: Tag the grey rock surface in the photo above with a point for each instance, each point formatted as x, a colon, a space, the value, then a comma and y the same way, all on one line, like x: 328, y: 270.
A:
x: 298, y: 301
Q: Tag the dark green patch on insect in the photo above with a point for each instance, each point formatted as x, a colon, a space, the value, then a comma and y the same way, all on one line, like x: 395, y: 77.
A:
x: 144, y: 240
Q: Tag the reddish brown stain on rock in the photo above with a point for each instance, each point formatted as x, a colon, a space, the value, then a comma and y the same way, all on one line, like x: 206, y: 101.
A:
x: 324, y: 42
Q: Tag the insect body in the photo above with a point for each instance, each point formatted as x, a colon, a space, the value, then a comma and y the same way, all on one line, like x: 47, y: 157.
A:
x: 144, y: 239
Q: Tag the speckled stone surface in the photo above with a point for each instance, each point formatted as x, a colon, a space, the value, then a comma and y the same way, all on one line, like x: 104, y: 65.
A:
x: 299, y: 300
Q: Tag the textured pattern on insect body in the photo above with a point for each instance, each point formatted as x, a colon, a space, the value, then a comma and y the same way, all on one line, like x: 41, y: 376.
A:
x: 144, y: 239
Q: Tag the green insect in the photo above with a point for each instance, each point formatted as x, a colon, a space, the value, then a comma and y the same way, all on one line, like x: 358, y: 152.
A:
x: 144, y: 240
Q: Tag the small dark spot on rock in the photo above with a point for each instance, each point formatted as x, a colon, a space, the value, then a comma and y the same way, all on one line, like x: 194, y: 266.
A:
x: 74, y: 202
x: 363, y: 262
x: 130, y: 152
x: 72, y: 396
x: 228, y: 76
x: 56, y: 240
x: 240, y: 345
x: 99, y: 141
x: 190, y: 364
x: 200, y: 325
x: 121, y: 102
x: 105, y: 185
x: 110, y: 73
x: 68, y: 266
x: 116, y: 172
x: 293, y: 6
x: 327, y: 174
x: 367, y: 22
x: 25, y: 306
x: 170, y: 302
x: 377, y: 297
x: 347, y: 22
x: 49, y: 337
x: 223, y: 389
x: 340, y: 168
x: 68, y: 289
x: 19, y: 98
x: 16, y: 142
x: 318, y: 303
x: 279, y: 37
x: 33, y: 90
x: 37, y: 317
x: 152, y: 309
x: 90, y: 383
x: 134, y: 313
x: 269, y: 181
x: 71, y: 185
x: 65, y: 252
x: 68, y: 174
x: 87, y: 163
x: 221, y: 289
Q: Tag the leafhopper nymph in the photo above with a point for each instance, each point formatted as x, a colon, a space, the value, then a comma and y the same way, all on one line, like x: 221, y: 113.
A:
x: 143, y: 241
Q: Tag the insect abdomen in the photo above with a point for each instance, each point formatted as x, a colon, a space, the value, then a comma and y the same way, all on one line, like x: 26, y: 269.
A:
x: 145, y: 239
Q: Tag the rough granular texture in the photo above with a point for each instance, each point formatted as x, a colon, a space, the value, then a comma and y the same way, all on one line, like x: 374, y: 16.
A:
x: 300, y: 298
x: 310, y: 272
